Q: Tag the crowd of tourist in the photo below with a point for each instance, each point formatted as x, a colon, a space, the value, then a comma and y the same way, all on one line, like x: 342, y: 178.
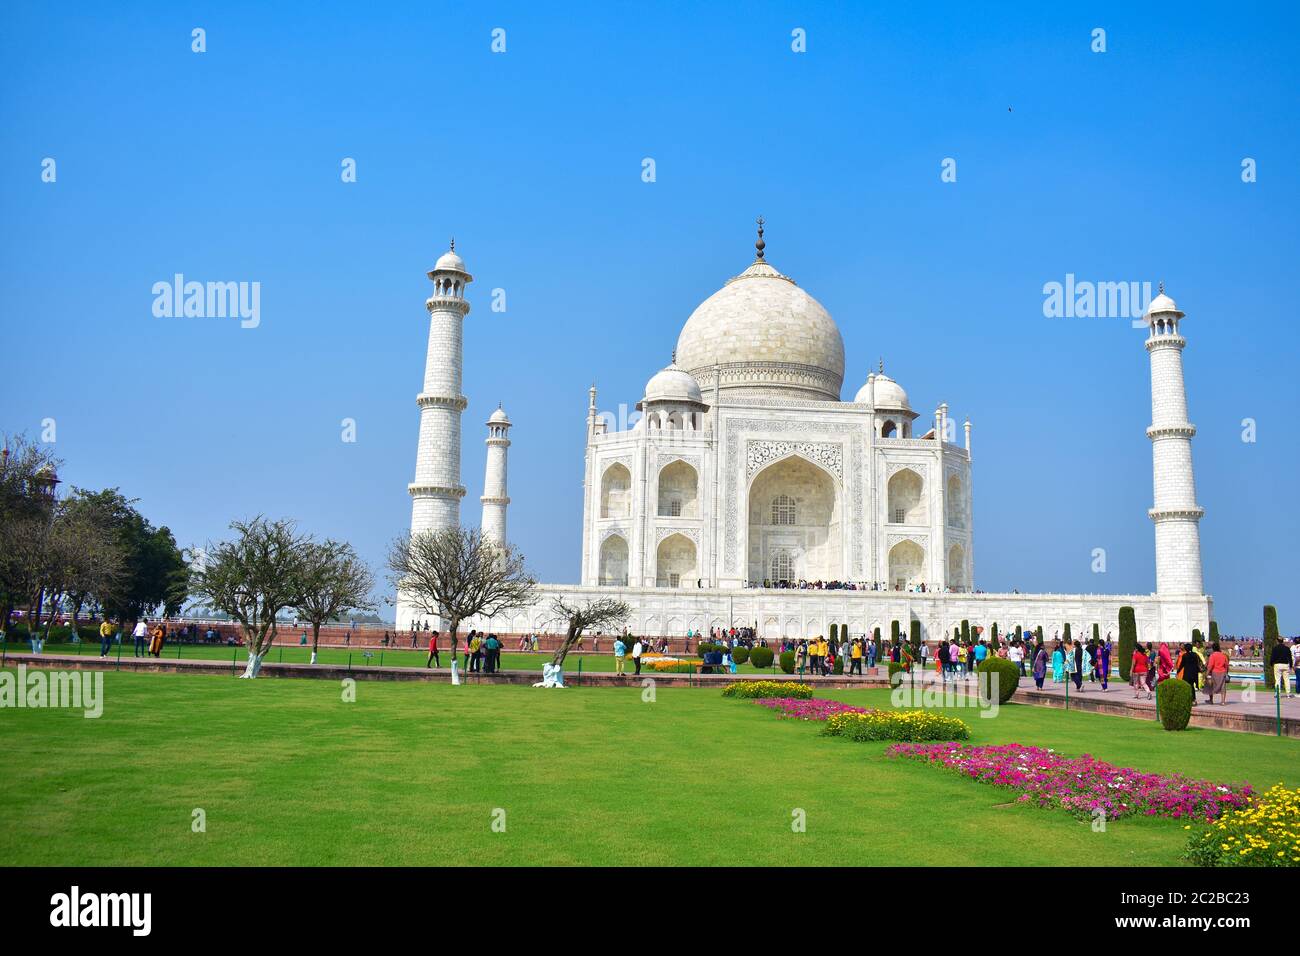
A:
x: 803, y: 585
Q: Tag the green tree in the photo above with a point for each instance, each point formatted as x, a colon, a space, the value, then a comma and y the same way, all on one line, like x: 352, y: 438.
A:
x: 893, y: 633
x: 1270, y: 641
x: 965, y: 632
x: 915, y: 639
x: 1127, y: 641
x: 334, y: 580
x: 1214, y: 632
x: 993, y: 635
x: 875, y: 638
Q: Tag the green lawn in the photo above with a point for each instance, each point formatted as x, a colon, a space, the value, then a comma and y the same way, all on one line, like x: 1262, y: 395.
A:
x: 288, y: 773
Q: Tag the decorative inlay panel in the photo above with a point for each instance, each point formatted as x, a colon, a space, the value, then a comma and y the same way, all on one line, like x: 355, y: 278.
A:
x: 830, y: 455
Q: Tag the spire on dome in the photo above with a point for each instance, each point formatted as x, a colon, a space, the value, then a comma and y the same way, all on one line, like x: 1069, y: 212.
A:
x: 760, y: 245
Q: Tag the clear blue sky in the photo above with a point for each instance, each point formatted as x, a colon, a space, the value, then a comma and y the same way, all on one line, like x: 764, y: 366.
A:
x: 225, y: 165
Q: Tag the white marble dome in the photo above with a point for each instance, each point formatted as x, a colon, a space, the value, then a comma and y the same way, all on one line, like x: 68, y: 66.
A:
x: 450, y: 262
x: 888, y: 393
x: 672, y: 384
x: 1162, y: 303
x: 767, y: 336
x: 498, y: 417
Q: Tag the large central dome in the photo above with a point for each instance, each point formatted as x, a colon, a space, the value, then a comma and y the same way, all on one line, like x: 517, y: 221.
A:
x: 767, y: 337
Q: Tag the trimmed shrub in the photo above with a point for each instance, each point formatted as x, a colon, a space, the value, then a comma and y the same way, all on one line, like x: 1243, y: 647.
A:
x: 787, y: 662
x: 1197, y: 637
x: 740, y: 654
x: 914, y: 638
x: 1066, y: 635
x: 838, y: 666
x: 1214, y: 632
x: 1175, y: 703
x: 1270, y: 641
x: 1128, y: 637
x: 705, y: 647
x: 761, y: 657
x: 895, y: 668
x: 1007, y: 678
x: 893, y: 632
x: 965, y: 631
x: 835, y: 635
x: 993, y: 635
x: 875, y: 638
x: 1020, y: 634
x: 1096, y: 633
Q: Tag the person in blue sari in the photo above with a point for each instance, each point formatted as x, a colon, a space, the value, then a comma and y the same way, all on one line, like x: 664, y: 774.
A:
x: 1058, y: 665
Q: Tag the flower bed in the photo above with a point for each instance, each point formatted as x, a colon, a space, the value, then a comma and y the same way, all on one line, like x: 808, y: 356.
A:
x: 794, y: 708
x: 1266, y: 833
x: 896, y: 725
x: 752, y: 689
x: 672, y: 665
x: 1082, y: 785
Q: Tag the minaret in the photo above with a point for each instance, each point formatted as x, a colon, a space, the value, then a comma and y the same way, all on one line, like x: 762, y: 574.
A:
x: 436, y: 490
x: 1176, y: 513
x: 494, y: 496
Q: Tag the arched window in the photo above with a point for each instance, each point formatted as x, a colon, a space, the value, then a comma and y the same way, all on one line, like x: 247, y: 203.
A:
x: 675, y: 508
x: 782, y: 566
x: 783, y: 510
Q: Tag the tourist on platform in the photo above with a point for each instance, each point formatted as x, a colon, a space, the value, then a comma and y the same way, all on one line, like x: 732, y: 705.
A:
x: 855, y: 656
x: 620, y: 652
x: 815, y: 655
x: 981, y: 651
x: 801, y: 657
x: 433, y: 651
x: 871, y: 653
x: 1016, y: 655
x: 474, y: 652
x: 139, y: 633
x: 637, y: 650
x: 1138, y: 672
x: 1040, y: 666
x: 105, y: 637
x: 1164, y: 662
x: 1077, y: 670
x: 1188, y: 668
x: 492, y: 654
x: 1103, y: 664
x: 1282, y: 661
x: 954, y: 660
x: 1216, y: 671
x: 1058, y: 664
x: 157, y: 638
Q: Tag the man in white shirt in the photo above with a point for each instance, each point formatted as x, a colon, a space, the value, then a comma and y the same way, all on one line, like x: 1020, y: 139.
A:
x: 637, y: 651
x: 1017, y: 656
x: 140, y: 633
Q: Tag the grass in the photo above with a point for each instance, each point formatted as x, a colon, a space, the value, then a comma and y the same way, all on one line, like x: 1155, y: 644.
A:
x: 410, y: 774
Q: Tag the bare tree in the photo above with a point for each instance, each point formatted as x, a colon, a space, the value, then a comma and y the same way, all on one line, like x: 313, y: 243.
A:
x: 253, y: 578
x: 334, y: 580
x: 600, y: 612
x: 456, y: 574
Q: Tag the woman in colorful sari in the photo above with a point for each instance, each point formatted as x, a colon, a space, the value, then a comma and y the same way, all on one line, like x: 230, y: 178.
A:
x: 1103, y: 664
x: 1058, y: 665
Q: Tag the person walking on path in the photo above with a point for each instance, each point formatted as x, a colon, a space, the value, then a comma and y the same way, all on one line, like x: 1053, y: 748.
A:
x: 105, y: 637
x: 159, y: 635
x: 139, y: 633
x: 1216, y: 674
x: 1103, y: 664
x: 1077, y: 672
x: 1189, y: 669
x: 855, y: 655
x: 1040, y: 666
x: 1138, y: 673
x: 433, y: 651
x: 637, y: 650
x: 1282, y: 660
x: 620, y: 653
x: 1164, y: 663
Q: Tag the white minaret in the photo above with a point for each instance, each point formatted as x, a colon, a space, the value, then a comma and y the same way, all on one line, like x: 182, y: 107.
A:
x: 494, y: 496
x: 436, y: 490
x: 1176, y: 513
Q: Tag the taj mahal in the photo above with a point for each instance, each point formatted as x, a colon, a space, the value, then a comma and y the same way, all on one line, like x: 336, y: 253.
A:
x: 749, y: 493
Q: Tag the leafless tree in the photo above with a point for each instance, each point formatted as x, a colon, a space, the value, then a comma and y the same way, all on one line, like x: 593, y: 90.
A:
x: 253, y: 578
x: 581, y: 615
x: 334, y: 580
x: 456, y: 574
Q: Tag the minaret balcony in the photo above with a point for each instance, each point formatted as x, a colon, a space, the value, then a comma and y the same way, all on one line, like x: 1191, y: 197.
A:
x: 457, y: 402
x: 441, y: 303
x: 417, y: 490
x: 1171, y: 431
x: 1194, y: 513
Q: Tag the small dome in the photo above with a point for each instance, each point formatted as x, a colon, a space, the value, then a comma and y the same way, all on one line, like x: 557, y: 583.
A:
x: 499, y: 417
x: 889, y: 394
x: 450, y: 262
x: 1162, y: 303
x: 673, y: 384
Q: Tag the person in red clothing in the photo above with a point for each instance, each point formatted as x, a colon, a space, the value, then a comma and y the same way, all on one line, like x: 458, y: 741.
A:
x: 1216, y: 669
x: 1138, y: 674
x: 1164, y: 663
x: 433, y: 651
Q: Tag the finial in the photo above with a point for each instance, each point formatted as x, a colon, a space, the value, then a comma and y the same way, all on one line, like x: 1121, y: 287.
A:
x: 1162, y: 286
x: 453, y: 243
x: 882, y: 365
x: 760, y: 245
x: 674, y: 358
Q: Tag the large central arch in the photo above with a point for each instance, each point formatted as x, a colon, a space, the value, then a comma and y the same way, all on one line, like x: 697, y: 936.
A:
x: 794, y: 510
